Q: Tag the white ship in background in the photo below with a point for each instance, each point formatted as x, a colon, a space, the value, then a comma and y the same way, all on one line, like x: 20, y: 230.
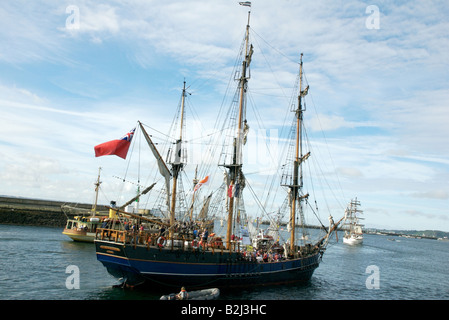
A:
x: 353, y: 229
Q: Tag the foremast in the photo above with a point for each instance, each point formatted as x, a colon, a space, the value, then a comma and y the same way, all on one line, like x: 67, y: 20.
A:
x: 176, y: 165
x: 235, y: 168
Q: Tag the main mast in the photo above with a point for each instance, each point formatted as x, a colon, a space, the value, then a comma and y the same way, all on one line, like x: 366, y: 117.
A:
x: 236, y: 166
x: 177, y: 165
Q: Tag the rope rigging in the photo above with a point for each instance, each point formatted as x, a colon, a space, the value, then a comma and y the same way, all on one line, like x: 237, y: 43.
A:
x: 269, y: 199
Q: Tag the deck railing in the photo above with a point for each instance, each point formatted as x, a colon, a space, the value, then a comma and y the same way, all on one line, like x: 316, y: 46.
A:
x: 157, y: 240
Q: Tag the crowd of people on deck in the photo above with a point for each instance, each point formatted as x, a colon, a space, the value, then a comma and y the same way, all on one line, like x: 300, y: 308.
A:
x: 195, y: 236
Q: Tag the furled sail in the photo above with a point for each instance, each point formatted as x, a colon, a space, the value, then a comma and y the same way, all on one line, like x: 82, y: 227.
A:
x: 163, y: 170
x: 205, y: 209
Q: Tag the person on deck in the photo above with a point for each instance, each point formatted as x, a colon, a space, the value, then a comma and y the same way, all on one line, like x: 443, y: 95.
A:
x: 204, y: 238
x: 162, y: 231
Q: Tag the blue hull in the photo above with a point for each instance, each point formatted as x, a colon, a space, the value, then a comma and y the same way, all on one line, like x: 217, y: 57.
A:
x: 196, y: 269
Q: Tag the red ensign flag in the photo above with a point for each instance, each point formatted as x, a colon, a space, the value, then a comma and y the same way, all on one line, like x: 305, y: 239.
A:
x: 117, y: 147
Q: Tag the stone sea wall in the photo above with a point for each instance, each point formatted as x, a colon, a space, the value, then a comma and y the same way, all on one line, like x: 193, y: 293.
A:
x: 34, y: 212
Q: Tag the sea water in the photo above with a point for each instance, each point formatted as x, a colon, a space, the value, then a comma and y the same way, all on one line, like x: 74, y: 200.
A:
x: 39, y: 263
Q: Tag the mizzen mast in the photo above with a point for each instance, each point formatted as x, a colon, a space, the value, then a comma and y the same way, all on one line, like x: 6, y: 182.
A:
x: 297, y: 165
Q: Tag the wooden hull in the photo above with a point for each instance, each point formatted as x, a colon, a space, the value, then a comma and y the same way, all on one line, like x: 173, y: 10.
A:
x: 141, y: 264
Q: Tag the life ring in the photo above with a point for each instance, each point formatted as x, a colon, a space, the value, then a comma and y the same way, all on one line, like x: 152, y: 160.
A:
x: 161, y: 242
x: 194, y: 244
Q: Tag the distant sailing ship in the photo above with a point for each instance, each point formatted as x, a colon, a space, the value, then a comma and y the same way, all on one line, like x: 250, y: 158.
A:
x: 351, y: 225
x: 176, y: 255
x: 83, y: 226
x: 85, y: 222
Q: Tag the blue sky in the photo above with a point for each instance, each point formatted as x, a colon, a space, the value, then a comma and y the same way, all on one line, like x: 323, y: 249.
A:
x: 378, y: 99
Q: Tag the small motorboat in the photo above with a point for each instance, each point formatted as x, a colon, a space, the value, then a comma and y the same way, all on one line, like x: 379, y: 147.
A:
x: 206, y: 294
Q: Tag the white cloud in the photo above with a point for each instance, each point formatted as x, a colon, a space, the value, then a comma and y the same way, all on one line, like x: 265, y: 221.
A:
x: 325, y: 123
x: 351, y: 172
x: 421, y: 119
x: 433, y: 194
x: 99, y: 18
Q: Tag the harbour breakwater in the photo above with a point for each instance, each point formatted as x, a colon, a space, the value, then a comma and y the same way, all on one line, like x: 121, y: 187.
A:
x: 36, y: 212
x: 48, y: 213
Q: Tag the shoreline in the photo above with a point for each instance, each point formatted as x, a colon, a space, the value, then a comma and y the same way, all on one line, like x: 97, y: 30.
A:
x: 48, y: 213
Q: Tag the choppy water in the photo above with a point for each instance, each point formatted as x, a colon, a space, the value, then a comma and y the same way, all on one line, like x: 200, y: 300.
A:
x: 34, y: 261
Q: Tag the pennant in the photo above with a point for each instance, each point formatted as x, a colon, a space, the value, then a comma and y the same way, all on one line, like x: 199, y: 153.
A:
x: 230, y: 193
x: 245, y: 3
x: 236, y: 190
x: 200, y: 183
x: 117, y: 147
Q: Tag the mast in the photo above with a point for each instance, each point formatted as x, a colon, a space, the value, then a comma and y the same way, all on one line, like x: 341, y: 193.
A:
x: 177, y: 165
x: 195, y: 181
x: 97, y: 188
x: 297, y: 165
x: 236, y: 166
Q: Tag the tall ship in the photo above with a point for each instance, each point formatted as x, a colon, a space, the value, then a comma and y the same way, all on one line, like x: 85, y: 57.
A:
x: 185, y: 247
x: 352, y: 226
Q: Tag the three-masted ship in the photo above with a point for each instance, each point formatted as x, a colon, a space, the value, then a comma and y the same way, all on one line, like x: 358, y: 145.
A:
x: 171, y: 257
x: 351, y: 225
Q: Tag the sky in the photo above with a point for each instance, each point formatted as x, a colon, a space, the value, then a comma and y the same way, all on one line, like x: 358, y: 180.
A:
x: 74, y: 74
